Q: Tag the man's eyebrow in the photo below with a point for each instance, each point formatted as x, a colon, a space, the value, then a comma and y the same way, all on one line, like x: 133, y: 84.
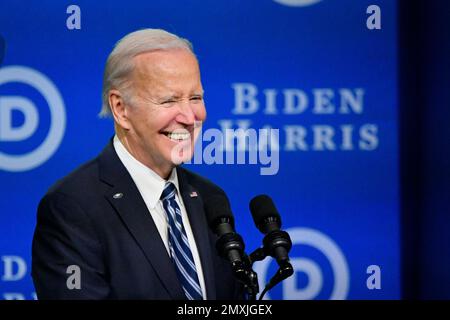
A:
x: 169, y: 97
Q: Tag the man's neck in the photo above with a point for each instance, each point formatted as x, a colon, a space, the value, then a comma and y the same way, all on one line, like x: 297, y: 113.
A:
x: 163, y: 171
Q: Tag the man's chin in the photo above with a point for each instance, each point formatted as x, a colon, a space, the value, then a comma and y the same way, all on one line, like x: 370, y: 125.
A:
x: 181, y: 152
x: 181, y: 158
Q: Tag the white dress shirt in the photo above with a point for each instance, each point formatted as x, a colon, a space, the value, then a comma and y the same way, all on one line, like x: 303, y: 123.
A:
x: 151, y: 186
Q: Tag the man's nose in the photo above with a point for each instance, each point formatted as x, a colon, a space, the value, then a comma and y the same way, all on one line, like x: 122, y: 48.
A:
x: 186, y: 115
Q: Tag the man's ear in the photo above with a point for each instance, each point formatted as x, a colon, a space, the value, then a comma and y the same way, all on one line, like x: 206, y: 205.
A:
x: 119, y: 109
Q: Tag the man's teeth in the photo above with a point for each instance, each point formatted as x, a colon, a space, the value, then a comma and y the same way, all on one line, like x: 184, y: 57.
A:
x: 179, y: 136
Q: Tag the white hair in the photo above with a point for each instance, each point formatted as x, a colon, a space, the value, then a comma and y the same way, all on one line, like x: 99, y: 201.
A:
x: 120, y: 64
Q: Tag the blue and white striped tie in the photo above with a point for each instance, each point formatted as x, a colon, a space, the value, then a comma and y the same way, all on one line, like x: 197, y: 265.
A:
x: 179, y: 246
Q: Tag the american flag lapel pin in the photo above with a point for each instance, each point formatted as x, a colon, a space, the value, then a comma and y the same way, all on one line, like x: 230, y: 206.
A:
x: 193, y: 194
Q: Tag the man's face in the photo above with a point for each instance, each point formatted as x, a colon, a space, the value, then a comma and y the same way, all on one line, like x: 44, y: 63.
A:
x: 167, y: 104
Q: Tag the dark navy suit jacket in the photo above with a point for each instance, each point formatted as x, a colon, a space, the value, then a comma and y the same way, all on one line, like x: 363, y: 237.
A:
x: 114, y: 241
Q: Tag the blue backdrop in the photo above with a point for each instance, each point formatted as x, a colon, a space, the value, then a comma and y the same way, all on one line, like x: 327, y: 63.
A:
x: 316, y: 73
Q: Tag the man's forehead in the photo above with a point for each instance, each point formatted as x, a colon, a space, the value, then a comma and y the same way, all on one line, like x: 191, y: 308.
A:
x: 167, y: 72
x: 165, y: 65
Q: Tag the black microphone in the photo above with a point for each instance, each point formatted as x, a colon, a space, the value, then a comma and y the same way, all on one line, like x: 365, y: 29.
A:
x: 230, y: 245
x: 220, y: 219
x: 277, y: 243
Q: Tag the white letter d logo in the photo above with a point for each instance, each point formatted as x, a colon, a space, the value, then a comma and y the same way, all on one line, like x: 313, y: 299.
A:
x: 29, y: 111
x: 11, y: 133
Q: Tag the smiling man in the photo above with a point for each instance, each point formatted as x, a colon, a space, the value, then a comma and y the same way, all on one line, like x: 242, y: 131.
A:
x: 130, y: 224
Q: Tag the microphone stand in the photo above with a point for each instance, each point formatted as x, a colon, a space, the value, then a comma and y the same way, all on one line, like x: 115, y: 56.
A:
x: 242, y: 268
x: 232, y: 245
x: 244, y: 273
x: 285, y: 270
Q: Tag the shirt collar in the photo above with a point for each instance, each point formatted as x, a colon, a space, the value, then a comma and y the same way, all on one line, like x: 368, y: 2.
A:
x: 147, y: 181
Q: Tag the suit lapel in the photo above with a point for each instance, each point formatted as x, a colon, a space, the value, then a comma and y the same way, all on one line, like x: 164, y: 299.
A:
x: 127, y: 201
x: 194, y: 207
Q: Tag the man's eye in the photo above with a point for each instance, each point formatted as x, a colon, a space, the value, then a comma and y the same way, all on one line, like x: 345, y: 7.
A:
x: 168, y: 101
x: 197, y: 98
